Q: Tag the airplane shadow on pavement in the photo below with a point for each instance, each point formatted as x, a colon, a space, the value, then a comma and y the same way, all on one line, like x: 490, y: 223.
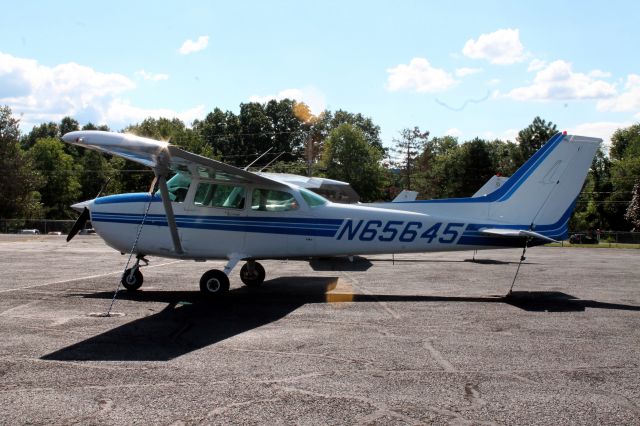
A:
x: 189, y: 322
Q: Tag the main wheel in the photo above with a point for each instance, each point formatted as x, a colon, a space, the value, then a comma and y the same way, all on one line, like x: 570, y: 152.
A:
x: 252, y: 279
x: 214, y: 283
x: 132, y: 281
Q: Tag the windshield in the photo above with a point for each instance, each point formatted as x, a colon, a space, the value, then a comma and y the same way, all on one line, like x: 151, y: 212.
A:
x: 178, y: 187
x: 312, y: 199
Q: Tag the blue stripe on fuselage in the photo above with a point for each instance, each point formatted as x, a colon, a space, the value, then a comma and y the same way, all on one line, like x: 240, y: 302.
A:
x: 269, y: 225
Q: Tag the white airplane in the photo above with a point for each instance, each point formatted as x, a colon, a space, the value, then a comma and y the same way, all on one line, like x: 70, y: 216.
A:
x: 211, y: 210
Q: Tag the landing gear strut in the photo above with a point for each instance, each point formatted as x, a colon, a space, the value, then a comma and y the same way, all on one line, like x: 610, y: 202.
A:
x: 252, y: 274
x: 132, y: 278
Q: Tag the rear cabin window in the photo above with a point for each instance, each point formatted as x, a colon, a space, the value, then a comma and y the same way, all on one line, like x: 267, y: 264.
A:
x: 209, y: 194
x: 269, y: 200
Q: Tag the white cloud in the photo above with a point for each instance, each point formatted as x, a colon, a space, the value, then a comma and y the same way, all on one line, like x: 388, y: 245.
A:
x: 599, y: 74
x: 120, y: 111
x: 463, y: 72
x: 505, y: 135
x: 493, y: 82
x: 557, y: 81
x: 629, y: 100
x: 536, y: 64
x: 151, y: 76
x: 39, y: 93
x: 419, y: 76
x: 454, y: 132
x: 509, y: 135
x: 190, y: 46
x: 600, y: 129
x: 501, y: 47
x: 309, y: 95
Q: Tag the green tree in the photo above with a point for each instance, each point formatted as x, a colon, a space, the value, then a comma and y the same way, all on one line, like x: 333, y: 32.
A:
x: 91, y: 126
x: 291, y: 121
x: 41, y: 131
x: 433, y: 166
x: 625, y: 171
x: 328, y: 121
x: 466, y: 169
x: 632, y: 215
x: 532, y: 137
x: 504, y: 156
x: 625, y: 143
x: 348, y: 157
x: 68, y: 124
x: 219, y: 131
x: 60, y: 172
x: 19, y: 181
x: 406, y: 150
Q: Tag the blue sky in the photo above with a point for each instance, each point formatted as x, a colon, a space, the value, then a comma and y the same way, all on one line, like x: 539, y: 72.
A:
x: 462, y: 68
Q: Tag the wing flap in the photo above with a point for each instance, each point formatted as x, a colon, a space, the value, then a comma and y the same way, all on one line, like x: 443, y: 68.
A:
x: 516, y: 233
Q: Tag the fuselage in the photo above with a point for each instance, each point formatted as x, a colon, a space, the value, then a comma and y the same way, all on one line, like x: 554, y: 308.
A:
x: 291, y: 224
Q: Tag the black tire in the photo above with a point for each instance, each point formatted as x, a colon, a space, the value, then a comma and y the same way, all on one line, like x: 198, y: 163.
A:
x: 252, y: 279
x: 214, y: 283
x: 132, y: 282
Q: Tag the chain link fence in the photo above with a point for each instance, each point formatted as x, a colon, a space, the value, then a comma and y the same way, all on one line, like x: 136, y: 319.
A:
x: 42, y: 226
x: 604, y: 237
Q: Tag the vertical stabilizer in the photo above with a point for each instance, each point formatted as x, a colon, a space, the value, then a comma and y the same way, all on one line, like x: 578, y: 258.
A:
x: 543, y: 191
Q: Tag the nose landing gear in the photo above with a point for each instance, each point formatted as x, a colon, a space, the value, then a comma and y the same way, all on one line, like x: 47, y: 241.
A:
x: 132, y: 278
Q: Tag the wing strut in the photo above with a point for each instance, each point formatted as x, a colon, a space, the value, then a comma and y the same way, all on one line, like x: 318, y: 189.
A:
x: 166, y: 202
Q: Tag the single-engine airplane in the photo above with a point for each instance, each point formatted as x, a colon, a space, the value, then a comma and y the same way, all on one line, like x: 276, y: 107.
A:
x: 205, y: 209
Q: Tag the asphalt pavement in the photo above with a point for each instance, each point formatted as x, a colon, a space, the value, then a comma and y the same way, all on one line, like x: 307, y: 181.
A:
x: 404, y: 339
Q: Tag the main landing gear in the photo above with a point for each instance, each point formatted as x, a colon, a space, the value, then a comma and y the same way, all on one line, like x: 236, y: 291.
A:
x: 215, y: 283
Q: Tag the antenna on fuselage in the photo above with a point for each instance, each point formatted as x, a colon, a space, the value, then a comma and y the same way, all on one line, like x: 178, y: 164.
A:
x: 270, y: 162
x: 253, y: 162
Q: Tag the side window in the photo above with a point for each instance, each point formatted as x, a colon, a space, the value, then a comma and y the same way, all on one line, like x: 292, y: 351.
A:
x: 219, y: 195
x: 269, y: 200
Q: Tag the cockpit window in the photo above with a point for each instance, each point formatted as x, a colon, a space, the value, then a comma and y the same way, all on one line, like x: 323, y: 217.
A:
x: 178, y: 187
x: 210, y: 194
x: 313, y: 199
x: 270, y: 200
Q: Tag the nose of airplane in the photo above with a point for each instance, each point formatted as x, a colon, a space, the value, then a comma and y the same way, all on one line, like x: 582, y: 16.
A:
x: 79, y: 207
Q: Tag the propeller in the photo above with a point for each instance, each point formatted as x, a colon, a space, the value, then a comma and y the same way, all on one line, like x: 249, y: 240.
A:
x: 82, y: 220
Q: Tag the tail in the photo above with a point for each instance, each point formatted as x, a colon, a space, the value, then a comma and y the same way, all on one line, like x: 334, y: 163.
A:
x: 543, y: 192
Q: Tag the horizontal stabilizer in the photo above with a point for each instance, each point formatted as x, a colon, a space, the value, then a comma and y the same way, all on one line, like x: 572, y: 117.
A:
x: 516, y: 233
x: 405, y: 196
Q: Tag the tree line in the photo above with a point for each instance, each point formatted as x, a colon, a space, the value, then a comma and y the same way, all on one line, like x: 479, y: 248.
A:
x: 41, y: 176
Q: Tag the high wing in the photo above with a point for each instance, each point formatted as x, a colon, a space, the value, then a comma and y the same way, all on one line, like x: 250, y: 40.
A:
x: 161, y: 155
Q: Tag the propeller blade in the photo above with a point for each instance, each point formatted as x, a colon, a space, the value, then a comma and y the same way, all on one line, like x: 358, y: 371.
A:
x: 82, y: 220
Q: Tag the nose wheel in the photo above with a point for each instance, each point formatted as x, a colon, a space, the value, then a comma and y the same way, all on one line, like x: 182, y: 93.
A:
x: 132, y: 277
